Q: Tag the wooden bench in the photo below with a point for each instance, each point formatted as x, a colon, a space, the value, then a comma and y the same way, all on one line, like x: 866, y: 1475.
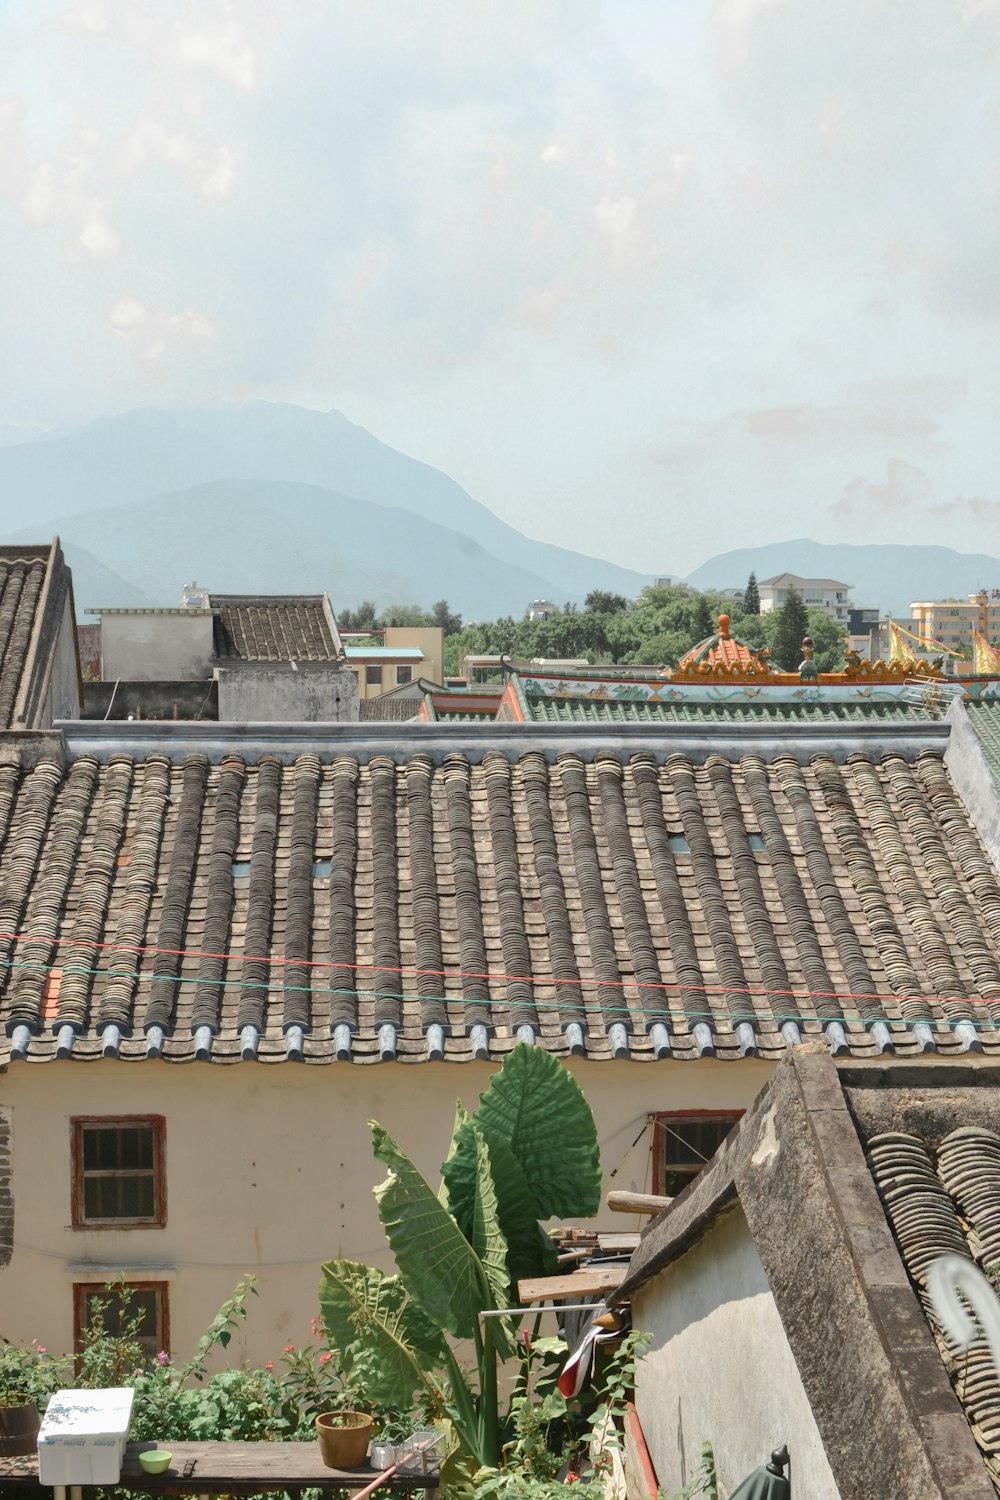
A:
x: 231, y: 1469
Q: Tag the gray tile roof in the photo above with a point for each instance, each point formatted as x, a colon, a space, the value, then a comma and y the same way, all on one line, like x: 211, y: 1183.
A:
x: 274, y: 628
x: 34, y: 586
x: 655, y: 904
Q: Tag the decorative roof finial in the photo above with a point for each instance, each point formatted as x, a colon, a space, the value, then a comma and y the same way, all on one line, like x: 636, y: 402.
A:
x: 808, y: 668
x: 724, y: 627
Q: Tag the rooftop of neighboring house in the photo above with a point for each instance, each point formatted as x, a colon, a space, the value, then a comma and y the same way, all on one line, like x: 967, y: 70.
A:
x: 274, y: 628
x: 894, y: 1164
x: 795, y: 581
x: 621, y: 891
x: 35, y: 585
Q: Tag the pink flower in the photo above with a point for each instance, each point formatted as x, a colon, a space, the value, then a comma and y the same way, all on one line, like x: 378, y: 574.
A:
x: 163, y: 1358
x: 41, y: 1348
x: 289, y: 1349
x: 324, y: 1357
x: 269, y: 1364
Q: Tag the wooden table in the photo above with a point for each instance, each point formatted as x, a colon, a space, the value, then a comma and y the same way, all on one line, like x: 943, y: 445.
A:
x: 230, y: 1469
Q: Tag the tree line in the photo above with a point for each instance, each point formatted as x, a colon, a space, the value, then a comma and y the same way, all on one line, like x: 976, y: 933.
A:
x: 656, y: 629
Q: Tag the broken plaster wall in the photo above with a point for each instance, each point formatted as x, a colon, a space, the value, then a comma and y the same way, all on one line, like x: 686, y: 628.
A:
x: 721, y: 1369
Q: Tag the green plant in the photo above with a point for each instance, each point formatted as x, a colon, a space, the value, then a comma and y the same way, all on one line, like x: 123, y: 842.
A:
x: 528, y: 1152
x: 29, y: 1373
x: 704, y: 1481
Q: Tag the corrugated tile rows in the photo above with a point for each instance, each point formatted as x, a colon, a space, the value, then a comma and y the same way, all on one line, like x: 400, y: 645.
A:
x: 20, y: 587
x: 274, y: 632
x: 944, y: 1199
x: 582, y: 710
x: 618, y: 906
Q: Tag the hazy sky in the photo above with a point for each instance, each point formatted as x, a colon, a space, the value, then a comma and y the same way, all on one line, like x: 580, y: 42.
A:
x: 651, y: 278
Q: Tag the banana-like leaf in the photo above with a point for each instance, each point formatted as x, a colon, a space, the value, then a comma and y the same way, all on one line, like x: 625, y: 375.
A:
x: 383, y: 1338
x: 538, y: 1108
x: 529, y: 1252
x: 437, y: 1262
x: 461, y: 1116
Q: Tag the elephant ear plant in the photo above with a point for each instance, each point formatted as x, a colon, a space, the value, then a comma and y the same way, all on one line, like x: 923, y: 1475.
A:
x: 528, y: 1152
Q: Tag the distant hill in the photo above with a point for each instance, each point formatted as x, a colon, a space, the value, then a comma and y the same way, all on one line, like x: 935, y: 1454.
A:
x: 247, y: 535
x: 106, y: 473
x: 887, y: 577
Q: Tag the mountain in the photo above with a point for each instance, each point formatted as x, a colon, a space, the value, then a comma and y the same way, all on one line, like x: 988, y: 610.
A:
x: 280, y: 537
x: 94, y: 470
x: 888, y: 577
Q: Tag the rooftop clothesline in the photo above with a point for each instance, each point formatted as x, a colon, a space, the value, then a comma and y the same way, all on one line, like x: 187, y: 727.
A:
x: 602, y: 1009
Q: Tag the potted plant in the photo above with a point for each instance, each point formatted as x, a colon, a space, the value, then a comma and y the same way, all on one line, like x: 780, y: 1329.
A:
x: 344, y: 1437
x: 27, y: 1376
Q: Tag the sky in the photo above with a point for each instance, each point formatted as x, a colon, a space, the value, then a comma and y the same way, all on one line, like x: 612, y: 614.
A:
x: 651, y: 278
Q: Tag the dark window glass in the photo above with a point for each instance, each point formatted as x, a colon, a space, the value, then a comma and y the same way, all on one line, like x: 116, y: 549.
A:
x: 403, y: 675
x: 686, y: 1143
x: 373, y: 676
x: 140, y: 1305
x: 118, y: 1167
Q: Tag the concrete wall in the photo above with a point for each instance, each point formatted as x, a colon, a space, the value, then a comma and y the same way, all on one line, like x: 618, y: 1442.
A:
x: 721, y: 1369
x: 150, y: 700
x: 430, y: 639
x: 269, y: 1170
x: 973, y: 779
x: 63, y: 698
x: 151, y: 647
x: 279, y: 693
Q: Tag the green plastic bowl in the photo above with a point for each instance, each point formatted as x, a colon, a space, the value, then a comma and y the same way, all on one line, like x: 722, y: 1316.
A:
x: 155, y: 1461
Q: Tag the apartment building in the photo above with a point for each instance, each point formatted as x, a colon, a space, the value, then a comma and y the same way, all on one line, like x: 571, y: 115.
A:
x: 952, y: 621
x: 818, y: 593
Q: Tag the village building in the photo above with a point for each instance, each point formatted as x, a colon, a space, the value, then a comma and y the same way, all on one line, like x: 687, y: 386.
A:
x: 232, y: 657
x: 827, y: 594
x: 786, y: 1289
x: 227, y: 948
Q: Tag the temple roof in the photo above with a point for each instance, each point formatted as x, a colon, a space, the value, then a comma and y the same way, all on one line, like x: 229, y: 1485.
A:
x: 723, y: 649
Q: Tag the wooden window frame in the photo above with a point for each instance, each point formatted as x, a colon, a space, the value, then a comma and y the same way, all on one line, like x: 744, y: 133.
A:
x: 84, y: 1289
x: 662, y: 1115
x: 78, y: 1124
x: 373, y: 674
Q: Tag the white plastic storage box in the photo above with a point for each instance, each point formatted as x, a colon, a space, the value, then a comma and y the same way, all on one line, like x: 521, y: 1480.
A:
x: 83, y: 1435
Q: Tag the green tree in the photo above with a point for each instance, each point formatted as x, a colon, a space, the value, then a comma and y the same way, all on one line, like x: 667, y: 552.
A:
x: 751, y: 598
x: 703, y: 623
x: 600, y: 602
x: 449, y: 622
x: 829, y: 640
x: 365, y: 617
x: 792, y: 626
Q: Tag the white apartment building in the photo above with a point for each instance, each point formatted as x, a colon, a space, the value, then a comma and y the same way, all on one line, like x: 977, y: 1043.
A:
x: 818, y: 593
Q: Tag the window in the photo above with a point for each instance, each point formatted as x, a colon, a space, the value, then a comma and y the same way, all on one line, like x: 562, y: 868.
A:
x: 683, y: 1143
x: 373, y: 676
x: 118, y: 1173
x: 403, y: 674
x: 143, y: 1301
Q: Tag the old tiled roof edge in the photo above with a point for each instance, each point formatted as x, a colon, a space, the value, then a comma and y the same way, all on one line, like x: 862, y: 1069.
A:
x: 177, y: 739
x: 796, y: 1167
x: 56, y: 590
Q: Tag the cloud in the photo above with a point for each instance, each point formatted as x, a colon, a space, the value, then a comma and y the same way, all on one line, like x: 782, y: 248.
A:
x: 886, y: 410
x: 155, y: 332
x: 905, y: 489
x: 98, y: 236
x: 211, y: 170
x: 225, y: 53
x: 962, y: 509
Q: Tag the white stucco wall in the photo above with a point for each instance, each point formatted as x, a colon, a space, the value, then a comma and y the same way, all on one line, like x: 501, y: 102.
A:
x: 156, y: 647
x: 269, y: 1170
x: 721, y: 1369
x: 306, y: 695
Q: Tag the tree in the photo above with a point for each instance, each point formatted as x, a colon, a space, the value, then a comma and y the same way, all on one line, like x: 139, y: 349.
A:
x: 601, y: 602
x: 702, y: 622
x: 450, y: 623
x: 365, y: 617
x: 793, y: 624
x: 751, y: 598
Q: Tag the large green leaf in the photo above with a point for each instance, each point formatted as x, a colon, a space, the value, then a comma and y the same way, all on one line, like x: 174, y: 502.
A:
x: 437, y: 1262
x: 487, y: 1236
x: 538, y: 1108
x: 461, y: 1116
x: 383, y: 1338
x: 529, y: 1252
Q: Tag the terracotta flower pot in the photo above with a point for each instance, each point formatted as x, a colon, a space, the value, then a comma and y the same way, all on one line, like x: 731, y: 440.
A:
x: 343, y: 1438
x: 18, y: 1429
